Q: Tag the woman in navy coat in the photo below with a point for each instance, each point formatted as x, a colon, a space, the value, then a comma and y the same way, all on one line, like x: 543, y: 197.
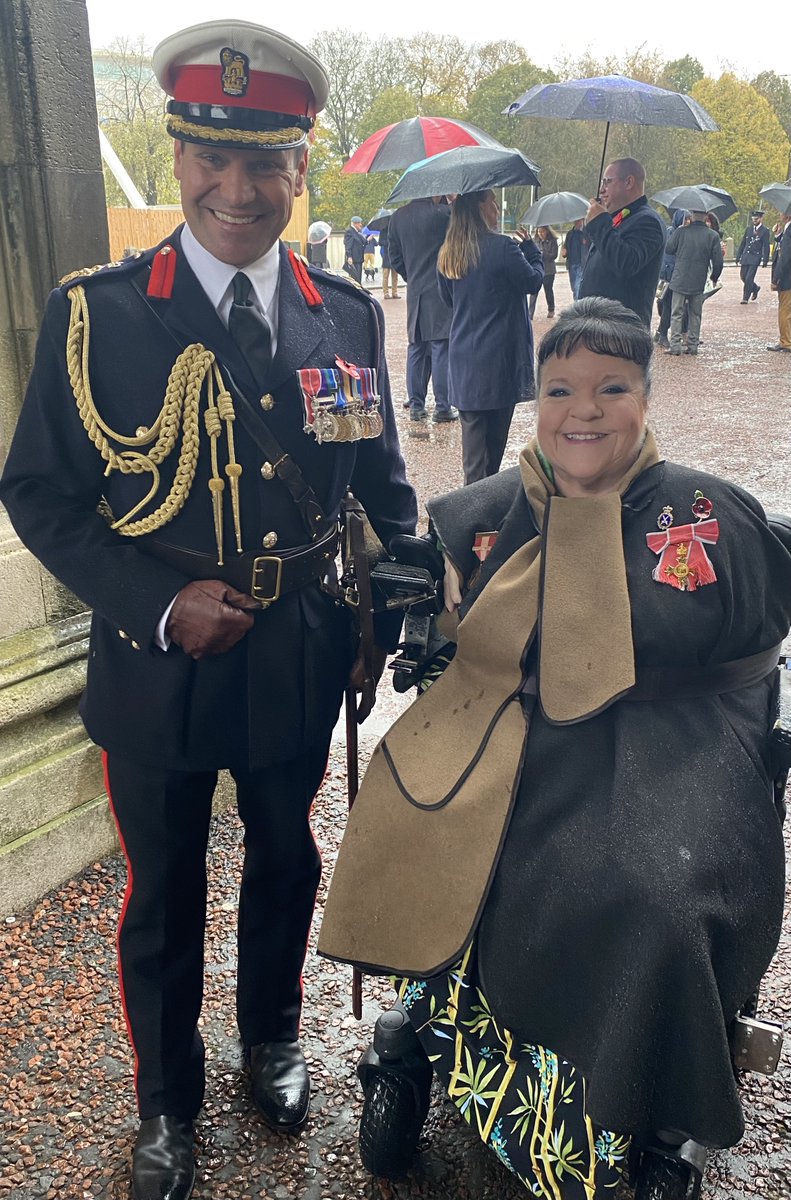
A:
x: 486, y: 278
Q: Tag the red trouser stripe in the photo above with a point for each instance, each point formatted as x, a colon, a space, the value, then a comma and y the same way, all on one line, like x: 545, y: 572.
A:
x: 127, y: 897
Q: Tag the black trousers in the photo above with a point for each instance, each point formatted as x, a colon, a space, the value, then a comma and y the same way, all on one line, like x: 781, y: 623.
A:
x: 548, y: 284
x: 163, y: 822
x: 747, y: 274
x: 483, y: 440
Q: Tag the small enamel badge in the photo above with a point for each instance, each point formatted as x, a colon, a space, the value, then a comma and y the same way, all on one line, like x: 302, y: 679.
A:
x: 683, y: 562
x: 341, y: 404
x: 484, y: 544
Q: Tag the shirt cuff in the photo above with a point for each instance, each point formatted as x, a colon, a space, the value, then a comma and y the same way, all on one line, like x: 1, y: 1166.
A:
x: 161, y: 639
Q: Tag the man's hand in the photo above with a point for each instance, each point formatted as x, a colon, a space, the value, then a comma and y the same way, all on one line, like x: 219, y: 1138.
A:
x: 209, y: 617
x: 595, y: 209
x: 358, y: 681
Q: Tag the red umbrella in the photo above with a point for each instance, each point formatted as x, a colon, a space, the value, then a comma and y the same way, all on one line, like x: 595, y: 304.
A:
x: 398, y: 146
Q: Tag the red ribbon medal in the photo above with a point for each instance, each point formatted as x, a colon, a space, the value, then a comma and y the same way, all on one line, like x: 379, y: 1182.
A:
x: 684, y: 563
x: 484, y: 544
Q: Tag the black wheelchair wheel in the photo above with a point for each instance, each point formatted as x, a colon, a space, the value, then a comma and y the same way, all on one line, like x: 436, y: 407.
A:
x: 662, y: 1178
x: 389, y: 1127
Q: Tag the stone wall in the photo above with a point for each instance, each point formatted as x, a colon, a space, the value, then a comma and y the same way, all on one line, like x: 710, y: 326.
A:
x: 53, y: 817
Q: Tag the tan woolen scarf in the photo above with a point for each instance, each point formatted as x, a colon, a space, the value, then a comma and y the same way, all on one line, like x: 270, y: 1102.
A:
x: 427, y: 824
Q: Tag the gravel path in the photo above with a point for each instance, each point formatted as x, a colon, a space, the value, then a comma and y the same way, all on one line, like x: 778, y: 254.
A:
x: 65, y: 1064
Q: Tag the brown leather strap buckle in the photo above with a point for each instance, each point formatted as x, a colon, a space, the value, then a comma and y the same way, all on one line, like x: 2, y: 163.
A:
x: 261, y: 589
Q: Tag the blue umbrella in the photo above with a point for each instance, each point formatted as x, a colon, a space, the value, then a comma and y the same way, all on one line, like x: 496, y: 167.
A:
x: 612, y: 98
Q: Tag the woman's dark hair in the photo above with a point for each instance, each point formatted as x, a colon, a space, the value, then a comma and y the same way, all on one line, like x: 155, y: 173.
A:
x: 602, y: 326
x: 460, y: 251
x: 712, y: 222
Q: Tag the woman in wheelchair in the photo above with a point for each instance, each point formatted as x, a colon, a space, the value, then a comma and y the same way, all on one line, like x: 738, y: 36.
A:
x: 568, y: 849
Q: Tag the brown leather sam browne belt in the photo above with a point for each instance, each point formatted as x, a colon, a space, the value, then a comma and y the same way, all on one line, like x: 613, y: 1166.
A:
x: 265, y: 577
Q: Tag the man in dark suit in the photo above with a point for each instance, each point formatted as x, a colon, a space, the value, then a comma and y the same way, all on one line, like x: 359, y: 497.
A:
x: 753, y: 251
x: 354, y: 248
x: 194, y: 418
x: 628, y: 240
x: 414, y: 237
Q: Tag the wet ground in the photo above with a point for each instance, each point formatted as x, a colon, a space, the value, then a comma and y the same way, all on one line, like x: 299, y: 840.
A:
x: 65, y: 1065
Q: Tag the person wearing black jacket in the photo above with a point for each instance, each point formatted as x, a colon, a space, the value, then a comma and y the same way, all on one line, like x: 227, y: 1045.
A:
x: 628, y: 241
x: 414, y: 237
x: 354, y: 249
x: 753, y: 250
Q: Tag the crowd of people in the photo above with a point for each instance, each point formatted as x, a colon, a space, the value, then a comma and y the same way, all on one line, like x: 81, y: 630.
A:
x: 557, y: 904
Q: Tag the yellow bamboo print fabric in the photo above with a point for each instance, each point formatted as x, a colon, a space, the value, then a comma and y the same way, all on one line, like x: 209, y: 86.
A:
x: 526, y: 1103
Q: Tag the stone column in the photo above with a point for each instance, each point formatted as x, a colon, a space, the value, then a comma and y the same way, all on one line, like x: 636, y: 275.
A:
x: 53, y: 220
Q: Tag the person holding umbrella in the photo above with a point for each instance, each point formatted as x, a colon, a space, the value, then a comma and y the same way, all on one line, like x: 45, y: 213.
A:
x: 414, y: 236
x: 628, y: 241
x: 696, y: 247
x: 486, y: 279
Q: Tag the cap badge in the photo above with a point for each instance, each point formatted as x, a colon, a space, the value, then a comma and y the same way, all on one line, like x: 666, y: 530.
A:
x: 236, y: 72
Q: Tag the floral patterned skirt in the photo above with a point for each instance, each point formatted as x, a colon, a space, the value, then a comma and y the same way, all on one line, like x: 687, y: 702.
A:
x: 525, y: 1102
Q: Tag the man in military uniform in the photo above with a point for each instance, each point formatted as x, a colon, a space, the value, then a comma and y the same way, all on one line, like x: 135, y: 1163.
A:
x: 753, y: 250
x: 194, y: 418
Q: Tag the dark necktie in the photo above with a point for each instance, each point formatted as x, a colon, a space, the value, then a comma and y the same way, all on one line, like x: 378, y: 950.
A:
x: 250, y: 330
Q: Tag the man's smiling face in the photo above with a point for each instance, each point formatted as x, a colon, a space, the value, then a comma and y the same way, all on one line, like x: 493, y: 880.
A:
x: 238, y: 202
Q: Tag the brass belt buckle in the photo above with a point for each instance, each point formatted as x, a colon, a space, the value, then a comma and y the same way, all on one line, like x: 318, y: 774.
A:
x: 256, y: 589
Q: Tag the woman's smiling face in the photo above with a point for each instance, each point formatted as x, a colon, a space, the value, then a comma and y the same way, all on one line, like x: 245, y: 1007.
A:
x: 591, y: 419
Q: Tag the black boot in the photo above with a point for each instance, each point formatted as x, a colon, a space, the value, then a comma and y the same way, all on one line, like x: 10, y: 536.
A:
x: 163, y: 1162
x: 396, y: 1077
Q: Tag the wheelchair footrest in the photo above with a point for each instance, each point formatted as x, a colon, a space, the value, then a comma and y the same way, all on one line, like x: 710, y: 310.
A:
x: 756, y: 1045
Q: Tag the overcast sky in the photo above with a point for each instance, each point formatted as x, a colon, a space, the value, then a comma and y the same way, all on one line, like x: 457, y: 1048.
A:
x: 740, y: 45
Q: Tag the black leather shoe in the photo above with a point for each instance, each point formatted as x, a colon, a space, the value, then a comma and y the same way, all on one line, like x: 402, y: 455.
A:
x: 163, y: 1160
x: 281, y: 1086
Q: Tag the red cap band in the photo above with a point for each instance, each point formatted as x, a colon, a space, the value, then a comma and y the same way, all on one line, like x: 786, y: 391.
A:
x: 271, y: 93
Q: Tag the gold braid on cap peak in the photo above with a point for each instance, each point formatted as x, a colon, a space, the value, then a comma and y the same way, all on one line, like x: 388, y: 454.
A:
x: 194, y: 368
x: 176, y: 126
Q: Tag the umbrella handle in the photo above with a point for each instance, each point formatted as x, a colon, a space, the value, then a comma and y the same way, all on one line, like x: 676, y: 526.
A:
x: 603, y: 159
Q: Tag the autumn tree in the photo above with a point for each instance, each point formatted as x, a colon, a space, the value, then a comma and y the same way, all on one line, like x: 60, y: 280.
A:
x: 751, y: 148
x: 681, y: 74
x: 131, y: 107
x: 776, y: 90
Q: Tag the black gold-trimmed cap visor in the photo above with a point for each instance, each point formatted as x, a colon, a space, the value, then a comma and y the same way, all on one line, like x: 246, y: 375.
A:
x: 236, y: 128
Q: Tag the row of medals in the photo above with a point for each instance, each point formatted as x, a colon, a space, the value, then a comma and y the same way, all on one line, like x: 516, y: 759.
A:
x: 347, y: 425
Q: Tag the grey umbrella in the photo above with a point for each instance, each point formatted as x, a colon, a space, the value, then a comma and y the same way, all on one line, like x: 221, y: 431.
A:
x: 612, y: 98
x: 556, y: 208
x: 778, y: 195
x: 465, y: 169
x: 699, y: 198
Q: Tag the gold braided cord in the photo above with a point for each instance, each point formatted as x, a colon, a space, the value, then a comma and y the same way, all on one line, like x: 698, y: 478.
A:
x: 250, y: 137
x: 213, y: 424
x: 233, y: 469
x: 86, y: 272
x: 179, y: 414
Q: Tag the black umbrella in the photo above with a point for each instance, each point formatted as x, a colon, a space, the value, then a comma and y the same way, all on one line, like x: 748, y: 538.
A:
x: 381, y: 220
x: 612, y: 98
x: 699, y: 198
x: 778, y: 195
x: 466, y: 169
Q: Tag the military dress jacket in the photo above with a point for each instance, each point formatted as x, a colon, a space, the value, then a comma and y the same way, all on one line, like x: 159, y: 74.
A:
x: 278, y: 690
